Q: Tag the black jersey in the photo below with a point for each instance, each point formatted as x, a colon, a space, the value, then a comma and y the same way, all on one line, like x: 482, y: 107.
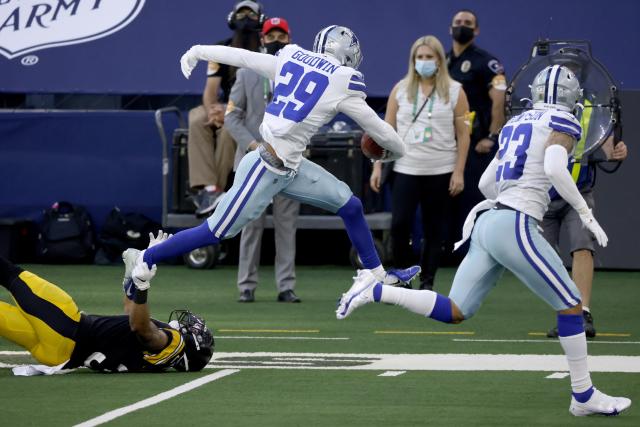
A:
x: 478, y: 71
x: 106, y: 343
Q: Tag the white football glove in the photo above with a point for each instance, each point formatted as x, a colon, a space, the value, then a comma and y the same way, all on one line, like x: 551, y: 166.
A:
x: 188, y: 62
x: 589, y: 221
x: 156, y: 240
x: 142, y: 275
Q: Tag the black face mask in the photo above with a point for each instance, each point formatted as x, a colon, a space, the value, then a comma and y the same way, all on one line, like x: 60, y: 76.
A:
x: 247, y: 25
x: 273, y: 47
x: 462, y: 34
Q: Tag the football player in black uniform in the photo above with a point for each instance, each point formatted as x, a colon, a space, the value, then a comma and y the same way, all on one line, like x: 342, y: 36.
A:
x: 47, y: 322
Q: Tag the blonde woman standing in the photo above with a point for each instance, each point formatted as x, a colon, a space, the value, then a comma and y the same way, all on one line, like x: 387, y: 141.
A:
x: 430, y: 112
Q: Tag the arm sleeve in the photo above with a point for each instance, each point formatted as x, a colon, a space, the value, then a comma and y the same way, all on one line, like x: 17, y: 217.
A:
x: 555, y: 167
x: 378, y: 129
x: 261, y: 63
x: 234, y: 118
x: 487, y: 183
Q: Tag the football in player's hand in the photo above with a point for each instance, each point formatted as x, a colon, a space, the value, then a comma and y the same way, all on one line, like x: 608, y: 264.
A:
x: 370, y: 148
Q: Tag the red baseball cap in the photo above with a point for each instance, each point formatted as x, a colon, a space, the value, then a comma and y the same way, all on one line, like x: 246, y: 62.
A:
x: 273, y: 23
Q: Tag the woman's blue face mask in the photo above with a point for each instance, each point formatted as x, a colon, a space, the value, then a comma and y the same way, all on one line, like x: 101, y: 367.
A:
x: 426, y: 68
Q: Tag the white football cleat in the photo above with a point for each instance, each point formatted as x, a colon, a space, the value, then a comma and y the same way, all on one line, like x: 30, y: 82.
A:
x: 360, y: 293
x: 129, y: 257
x: 599, y: 404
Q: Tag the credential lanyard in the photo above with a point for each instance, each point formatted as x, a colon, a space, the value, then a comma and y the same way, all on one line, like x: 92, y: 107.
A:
x: 430, y: 101
x: 266, y: 90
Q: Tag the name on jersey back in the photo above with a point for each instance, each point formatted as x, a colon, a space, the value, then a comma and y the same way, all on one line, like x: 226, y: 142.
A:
x: 315, y: 62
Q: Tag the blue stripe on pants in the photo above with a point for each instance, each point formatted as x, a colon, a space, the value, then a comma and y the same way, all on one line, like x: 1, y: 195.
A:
x: 520, y: 238
x: 233, y: 202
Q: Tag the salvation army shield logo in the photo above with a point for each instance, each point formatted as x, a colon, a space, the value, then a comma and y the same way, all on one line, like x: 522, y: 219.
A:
x: 30, y: 25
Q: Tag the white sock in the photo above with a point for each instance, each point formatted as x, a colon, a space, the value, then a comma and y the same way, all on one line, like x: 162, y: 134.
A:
x: 419, y: 302
x: 210, y: 188
x: 585, y: 308
x: 379, y: 273
x: 575, y: 348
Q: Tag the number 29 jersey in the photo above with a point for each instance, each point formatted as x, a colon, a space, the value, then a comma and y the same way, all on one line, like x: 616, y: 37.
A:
x: 308, y: 90
x: 520, y: 178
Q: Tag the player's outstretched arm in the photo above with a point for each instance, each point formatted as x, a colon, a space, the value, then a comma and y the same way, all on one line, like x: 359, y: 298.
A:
x: 381, y: 131
x: 151, y: 337
x: 556, y: 159
x: 261, y: 63
x: 140, y: 322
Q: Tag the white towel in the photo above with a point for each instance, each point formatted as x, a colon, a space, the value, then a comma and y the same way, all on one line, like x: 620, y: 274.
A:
x: 467, y: 228
x: 32, y: 370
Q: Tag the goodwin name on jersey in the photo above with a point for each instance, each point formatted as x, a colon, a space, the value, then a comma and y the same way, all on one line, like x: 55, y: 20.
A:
x: 314, y: 61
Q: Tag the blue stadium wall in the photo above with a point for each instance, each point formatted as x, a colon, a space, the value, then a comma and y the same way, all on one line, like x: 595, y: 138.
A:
x: 107, y: 158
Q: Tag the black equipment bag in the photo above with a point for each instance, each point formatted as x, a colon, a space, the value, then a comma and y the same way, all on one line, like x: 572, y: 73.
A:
x: 121, y: 231
x: 66, y: 235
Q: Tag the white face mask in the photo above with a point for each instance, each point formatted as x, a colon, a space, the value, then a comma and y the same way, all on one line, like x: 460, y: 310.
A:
x: 426, y: 68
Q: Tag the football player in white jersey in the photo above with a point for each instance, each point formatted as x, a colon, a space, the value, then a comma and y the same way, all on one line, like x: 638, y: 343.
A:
x: 310, y: 88
x: 533, y: 156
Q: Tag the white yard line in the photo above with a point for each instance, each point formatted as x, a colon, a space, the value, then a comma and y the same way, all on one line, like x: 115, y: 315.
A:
x: 558, y: 375
x: 413, y: 362
x: 391, y: 373
x: 116, y: 413
x: 550, y: 341
x: 423, y: 362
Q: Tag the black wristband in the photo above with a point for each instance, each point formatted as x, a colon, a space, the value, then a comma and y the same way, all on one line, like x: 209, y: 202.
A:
x: 140, y: 297
x: 493, y: 137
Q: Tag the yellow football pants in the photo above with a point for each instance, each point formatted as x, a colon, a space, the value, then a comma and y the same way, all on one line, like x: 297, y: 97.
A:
x: 43, y: 320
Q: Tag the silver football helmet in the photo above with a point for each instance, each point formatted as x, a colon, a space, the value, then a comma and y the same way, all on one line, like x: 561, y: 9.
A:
x: 556, y: 86
x: 341, y: 43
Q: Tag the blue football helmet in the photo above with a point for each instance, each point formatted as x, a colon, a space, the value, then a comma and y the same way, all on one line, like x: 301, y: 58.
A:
x: 341, y: 43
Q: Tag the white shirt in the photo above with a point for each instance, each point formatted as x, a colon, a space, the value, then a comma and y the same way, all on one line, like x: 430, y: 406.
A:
x: 521, y: 182
x: 436, y: 154
x: 310, y: 89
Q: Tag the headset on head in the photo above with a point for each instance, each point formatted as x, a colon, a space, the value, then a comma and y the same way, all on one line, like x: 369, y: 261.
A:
x: 231, y: 21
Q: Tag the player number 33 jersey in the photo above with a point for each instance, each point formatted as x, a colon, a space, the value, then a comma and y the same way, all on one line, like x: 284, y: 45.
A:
x: 520, y: 178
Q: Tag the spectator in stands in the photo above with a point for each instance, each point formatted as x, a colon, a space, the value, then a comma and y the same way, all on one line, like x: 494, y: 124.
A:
x: 430, y: 112
x: 211, y: 148
x: 483, y: 80
x: 249, y: 97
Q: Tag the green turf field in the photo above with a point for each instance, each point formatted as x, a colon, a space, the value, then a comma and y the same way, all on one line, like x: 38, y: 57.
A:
x: 295, y: 364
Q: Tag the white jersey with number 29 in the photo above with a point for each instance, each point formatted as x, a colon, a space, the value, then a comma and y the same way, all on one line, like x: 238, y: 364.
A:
x: 309, y: 89
x: 520, y: 178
